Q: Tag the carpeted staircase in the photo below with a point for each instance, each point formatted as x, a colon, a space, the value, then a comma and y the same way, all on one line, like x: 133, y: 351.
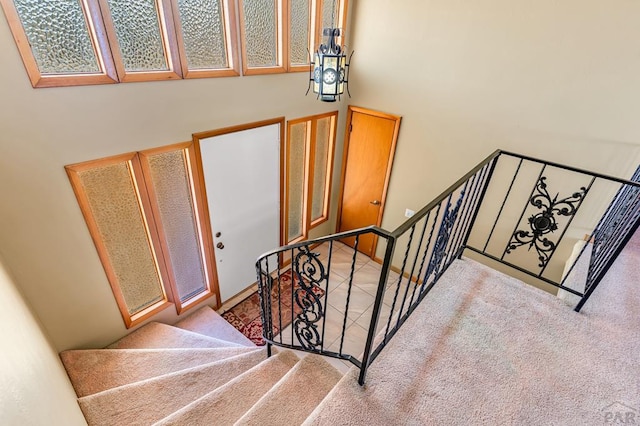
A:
x: 200, y: 371
x: 482, y: 348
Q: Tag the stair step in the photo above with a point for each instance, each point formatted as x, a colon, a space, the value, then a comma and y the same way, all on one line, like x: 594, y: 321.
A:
x: 156, y: 335
x: 208, y: 322
x: 300, y: 391
x: 147, y: 401
x: 227, y: 404
x: 96, y: 370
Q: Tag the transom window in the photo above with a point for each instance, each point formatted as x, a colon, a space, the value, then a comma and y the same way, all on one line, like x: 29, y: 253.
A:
x: 78, y: 42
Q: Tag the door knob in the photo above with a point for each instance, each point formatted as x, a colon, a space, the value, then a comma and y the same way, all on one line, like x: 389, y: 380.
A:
x: 218, y: 234
x: 375, y: 202
x: 220, y: 246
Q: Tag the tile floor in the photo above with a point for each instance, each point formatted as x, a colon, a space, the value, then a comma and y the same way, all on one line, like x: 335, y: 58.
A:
x: 364, y: 285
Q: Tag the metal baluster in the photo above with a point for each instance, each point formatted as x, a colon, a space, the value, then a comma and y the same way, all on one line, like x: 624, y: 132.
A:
x: 486, y: 180
x: 367, y: 356
x: 426, y: 249
x: 451, y: 238
x: 326, y: 294
x: 434, y: 261
x: 597, y: 279
x: 463, y: 215
x: 292, y: 291
x: 515, y: 228
x: 506, y: 196
x: 406, y: 291
x: 469, y: 209
x: 424, y: 228
x: 346, y: 308
x: 279, y: 304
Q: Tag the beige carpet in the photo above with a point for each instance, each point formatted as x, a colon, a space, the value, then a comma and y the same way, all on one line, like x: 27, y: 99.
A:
x: 158, y: 335
x: 209, y: 323
x: 228, y: 403
x: 483, y: 348
x: 200, y: 371
x: 303, y: 387
x: 96, y: 370
x: 151, y: 400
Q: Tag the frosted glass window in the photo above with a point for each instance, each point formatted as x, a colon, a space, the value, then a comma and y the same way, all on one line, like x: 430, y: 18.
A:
x: 114, y: 205
x: 320, y: 166
x: 169, y: 176
x: 203, y: 33
x: 59, y: 37
x: 261, y: 32
x: 137, y: 27
x: 299, y: 32
x: 309, y: 162
x: 296, y: 175
x: 330, y: 13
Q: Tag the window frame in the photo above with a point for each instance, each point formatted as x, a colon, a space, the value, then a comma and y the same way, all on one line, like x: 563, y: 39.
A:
x: 229, y: 20
x: 104, y: 40
x: 315, y: 8
x: 329, y: 171
x: 135, y: 169
x: 310, y: 155
x: 286, y: 158
x: 205, y: 239
x: 281, y: 42
x: 97, y: 34
x: 169, y: 43
x: 140, y: 171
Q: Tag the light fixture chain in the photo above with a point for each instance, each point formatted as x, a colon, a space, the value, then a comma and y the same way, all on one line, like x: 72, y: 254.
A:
x: 333, y: 15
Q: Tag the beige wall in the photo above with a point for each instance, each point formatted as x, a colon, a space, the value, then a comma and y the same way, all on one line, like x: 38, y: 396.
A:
x: 35, y: 387
x: 42, y: 233
x: 556, y: 80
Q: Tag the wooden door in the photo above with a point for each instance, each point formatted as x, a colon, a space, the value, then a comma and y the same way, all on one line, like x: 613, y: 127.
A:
x: 241, y: 168
x: 368, y: 156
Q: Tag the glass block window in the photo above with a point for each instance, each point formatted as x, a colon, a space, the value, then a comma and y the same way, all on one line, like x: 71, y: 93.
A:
x: 139, y: 35
x: 308, y: 167
x: 260, y: 25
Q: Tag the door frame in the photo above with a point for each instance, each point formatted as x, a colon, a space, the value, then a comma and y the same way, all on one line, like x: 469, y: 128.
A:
x: 206, y: 218
x: 345, y: 154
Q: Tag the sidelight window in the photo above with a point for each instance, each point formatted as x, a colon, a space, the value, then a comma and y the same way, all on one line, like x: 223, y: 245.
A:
x: 308, y: 166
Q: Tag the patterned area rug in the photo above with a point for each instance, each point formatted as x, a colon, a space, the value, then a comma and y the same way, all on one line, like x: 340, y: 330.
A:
x: 245, y: 316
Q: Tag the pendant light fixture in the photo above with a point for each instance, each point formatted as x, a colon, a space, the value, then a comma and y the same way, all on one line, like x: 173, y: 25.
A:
x: 329, y: 73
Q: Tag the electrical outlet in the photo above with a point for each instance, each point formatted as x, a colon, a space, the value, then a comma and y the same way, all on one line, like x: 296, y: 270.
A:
x: 409, y: 212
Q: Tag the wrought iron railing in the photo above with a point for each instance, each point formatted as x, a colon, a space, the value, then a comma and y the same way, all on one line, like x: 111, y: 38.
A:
x: 323, y: 296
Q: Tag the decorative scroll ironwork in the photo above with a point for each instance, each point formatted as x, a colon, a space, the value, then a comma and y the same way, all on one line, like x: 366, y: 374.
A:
x: 544, y: 222
x: 442, y: 240
x: 265, y: 283
x: 616, y: 225
x: 309, y: 273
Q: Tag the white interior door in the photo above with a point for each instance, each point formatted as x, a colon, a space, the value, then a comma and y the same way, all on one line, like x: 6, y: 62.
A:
x: 242, y: 179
